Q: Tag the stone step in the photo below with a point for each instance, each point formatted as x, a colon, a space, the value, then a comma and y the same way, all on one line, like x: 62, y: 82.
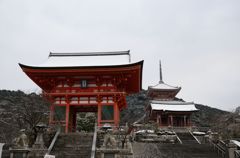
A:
x: 187, y: 138
x: 73, y: 145
x: 174, y: 150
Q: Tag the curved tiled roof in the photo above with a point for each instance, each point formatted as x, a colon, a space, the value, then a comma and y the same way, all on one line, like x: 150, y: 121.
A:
x: 86, y: 59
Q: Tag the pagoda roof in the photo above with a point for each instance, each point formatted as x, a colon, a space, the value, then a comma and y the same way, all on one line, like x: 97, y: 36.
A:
x: 163, y: 86
x: 176, y: 106
x: 85, y: 59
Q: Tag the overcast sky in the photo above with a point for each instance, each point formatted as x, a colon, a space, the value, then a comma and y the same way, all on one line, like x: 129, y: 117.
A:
x: 198, y: 41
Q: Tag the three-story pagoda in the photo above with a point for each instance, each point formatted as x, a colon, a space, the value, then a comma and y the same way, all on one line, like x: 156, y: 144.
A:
x: 165, y: 109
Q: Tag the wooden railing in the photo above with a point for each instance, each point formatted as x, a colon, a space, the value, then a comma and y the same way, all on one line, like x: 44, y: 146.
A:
x: 220, y: 147
x: 237, y: 153
x: 194, y: 137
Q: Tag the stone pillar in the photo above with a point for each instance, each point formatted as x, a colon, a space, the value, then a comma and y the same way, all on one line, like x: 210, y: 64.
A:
x: 1, y: 149
x: 231, y: 147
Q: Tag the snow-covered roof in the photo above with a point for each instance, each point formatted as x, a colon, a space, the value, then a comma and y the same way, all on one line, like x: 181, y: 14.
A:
x: 87, y: 59
x: 145, y: 131
x: 170, y: 102
x: 236, y: 142
x: 172, y: 106
x: 163, y: 86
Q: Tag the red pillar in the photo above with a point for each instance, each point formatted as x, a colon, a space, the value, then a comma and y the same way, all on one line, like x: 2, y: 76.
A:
x: 67, y: 118
x: 116, y: 114
x: 99, y: 113
x: 74, y: 121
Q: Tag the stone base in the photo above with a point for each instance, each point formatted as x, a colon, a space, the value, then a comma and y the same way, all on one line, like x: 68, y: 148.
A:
x: 37, y: 153
x: 114, y: 153
x: 19, y: 153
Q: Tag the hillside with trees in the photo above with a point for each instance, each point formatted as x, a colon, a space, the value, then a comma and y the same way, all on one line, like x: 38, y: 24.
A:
x: 24, y: 111
x: 20, y: 111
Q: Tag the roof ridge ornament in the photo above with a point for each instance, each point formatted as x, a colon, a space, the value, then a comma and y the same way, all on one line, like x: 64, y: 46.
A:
x: 160, y: 72
x: 56, y: 54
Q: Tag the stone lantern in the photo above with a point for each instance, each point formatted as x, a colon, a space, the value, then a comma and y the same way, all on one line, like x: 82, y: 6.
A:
x: 39, y: 142
x: 38, y: 149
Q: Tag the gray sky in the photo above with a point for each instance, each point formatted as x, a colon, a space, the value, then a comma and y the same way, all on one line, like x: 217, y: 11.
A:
x: 197, y: 41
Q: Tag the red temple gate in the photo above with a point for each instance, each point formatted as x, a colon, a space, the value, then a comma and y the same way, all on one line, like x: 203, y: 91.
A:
x: 86, y: 82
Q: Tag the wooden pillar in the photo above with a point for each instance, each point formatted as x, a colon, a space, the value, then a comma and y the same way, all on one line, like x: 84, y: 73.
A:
x: 67, y: 117
x: 157, y: 119
x: 160, y: 120
x: 171, y: 117
x: 184, y: 121
x: 179, y: 121
x: 168, y: 120
x: 189, y: 120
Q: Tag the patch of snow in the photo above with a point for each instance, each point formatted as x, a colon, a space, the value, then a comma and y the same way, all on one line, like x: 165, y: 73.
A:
x: 199, y: 133
x: 145, y: 131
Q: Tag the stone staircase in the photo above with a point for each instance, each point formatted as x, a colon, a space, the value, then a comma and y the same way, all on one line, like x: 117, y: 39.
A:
x: 186, y: 138
x: 161, y: 150
x: 73, y: 145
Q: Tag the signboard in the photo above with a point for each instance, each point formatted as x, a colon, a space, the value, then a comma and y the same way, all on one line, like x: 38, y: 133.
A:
x: 49, y: 156
x: 83, y: 83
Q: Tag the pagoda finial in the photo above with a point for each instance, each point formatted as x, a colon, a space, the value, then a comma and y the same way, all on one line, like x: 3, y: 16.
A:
x: 160, y: 69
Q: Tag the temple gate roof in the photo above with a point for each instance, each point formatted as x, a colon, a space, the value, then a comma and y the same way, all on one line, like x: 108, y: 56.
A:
x: 86, y: 59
